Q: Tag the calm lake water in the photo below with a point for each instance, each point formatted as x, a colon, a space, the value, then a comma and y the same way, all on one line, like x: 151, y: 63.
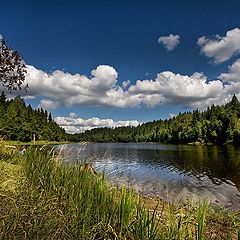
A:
x: 168, y: 171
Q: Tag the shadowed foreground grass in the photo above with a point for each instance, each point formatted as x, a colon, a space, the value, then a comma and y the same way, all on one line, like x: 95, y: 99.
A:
x: 42, y: 199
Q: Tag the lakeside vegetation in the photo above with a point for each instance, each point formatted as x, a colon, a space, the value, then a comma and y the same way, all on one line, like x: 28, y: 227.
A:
x: 10, y: 144
x: 216, y: 125
x: 43, y: 199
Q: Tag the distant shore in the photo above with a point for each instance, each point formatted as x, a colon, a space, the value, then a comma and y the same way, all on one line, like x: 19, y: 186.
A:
x: 40, y: 142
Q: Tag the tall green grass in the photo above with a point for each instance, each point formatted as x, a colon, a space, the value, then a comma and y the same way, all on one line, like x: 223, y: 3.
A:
x: 201, y: 217
x: 56, y: 201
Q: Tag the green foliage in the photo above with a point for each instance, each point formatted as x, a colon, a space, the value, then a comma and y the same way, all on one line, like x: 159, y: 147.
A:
x: 19, y: 122
x: 43, y: 199
x: 201, y: 216
x: 217, y: 125
x: 56, y: 201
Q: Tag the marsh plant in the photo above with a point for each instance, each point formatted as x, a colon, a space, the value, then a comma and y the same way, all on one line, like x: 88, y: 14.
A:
x: 46, y: 199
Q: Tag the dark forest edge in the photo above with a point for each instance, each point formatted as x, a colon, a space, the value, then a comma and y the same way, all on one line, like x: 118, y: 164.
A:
x: 216, y: 125
x: 19, y: 122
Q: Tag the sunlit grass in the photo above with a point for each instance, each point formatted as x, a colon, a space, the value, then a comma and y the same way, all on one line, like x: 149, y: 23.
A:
x: 41, y: 198
x: 38, y: 142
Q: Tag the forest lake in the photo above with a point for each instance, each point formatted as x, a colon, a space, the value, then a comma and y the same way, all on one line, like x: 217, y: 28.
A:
x: 171, y: 172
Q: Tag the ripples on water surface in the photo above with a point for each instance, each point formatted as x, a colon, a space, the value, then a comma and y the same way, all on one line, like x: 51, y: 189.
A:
x: 167, y: 171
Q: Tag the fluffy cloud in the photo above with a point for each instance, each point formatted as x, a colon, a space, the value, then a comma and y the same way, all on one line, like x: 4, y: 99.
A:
x: 175, y: 88
x: 233, y: 74
x: 76, y: 89
x: 101, y: 89
x: 231, y: 78
x: 169, y: 42
x: 126, y: 83
x: 48, y: 104
x: 220, y: 48
x: 64, y: 86
x: 60, y: 83
x: 74, y: 124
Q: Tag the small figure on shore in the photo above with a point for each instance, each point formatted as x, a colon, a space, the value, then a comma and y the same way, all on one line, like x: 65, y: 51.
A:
x: 22, y: 150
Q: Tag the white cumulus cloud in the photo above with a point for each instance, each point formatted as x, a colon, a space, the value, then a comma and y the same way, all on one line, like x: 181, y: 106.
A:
x: 74, y: 124
x: 169, y: 42
x: 74, y: 89
x: 233, y: 74
x: 48, y: 104
x: 221, y: 49
x: 102, y: 89
x: 231, y: 79
x: 169, y: 87
x: 126, y: 83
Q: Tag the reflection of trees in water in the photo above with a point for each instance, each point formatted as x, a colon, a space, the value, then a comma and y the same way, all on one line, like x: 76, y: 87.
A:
x: 220, y: 164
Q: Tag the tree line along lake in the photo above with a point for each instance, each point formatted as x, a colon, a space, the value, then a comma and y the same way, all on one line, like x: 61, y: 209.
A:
x: 171, y: 172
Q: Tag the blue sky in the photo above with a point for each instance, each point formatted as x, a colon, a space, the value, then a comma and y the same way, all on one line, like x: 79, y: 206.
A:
x: 122, y: 37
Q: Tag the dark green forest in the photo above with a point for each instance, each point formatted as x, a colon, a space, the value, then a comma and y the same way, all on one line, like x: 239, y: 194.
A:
x: 217, y: 125
x: 20, y: 122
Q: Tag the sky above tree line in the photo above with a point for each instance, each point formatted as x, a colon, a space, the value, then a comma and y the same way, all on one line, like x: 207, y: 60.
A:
x: 117, y: 63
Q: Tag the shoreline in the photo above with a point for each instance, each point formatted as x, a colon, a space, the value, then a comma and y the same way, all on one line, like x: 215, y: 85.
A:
x: 19, y: 143
x: 167, y: 217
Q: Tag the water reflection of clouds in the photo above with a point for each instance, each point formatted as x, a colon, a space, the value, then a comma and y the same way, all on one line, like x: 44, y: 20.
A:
x: 166, y: 170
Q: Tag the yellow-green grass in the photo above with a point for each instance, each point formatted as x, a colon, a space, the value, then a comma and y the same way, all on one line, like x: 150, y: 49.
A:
x: 43, y: 199
x: 10, y: 177
x: 39, y: 142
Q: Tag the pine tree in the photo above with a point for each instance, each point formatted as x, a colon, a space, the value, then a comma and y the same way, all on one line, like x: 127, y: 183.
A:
x: 234, y: 104
x: 50, y: 117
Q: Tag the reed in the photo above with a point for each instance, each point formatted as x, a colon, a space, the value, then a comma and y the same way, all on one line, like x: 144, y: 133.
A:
x: 52, y: 200
x: 201, y: 217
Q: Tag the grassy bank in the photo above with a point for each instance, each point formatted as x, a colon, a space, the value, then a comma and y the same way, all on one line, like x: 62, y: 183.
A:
x: 39, y: 142
x: 42, y: 199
